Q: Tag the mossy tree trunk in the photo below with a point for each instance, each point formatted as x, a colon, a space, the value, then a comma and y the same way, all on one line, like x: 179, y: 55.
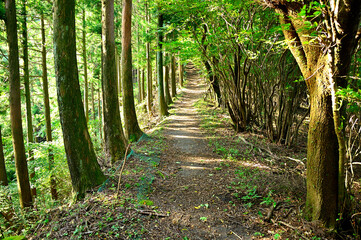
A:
x: 21, y: 165
x: 3, y: 176
x: 115, y: 142
x: 324, y: 64
x: 49, y: 137
x: 84, y: 169
x: 161, y: 100
x: 131, y: 127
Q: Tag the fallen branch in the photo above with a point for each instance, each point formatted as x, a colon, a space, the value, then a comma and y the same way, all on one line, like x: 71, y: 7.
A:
x: 271, y: 211
x: 296, y: 160
x: 294, y: 228
x: 152, y: 213
x: 236, y: 235
x: 356, y: 214
x: 270, y: 153
x: 121, y: 171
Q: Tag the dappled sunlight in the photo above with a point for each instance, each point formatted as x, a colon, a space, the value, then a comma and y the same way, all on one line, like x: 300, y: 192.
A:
x: 185, y: 136
x: 254, y: 165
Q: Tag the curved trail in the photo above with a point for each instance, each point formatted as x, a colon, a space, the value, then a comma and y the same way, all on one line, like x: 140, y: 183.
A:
x: 193, y: 191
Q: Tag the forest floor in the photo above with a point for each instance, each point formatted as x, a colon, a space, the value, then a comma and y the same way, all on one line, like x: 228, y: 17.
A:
x: 193, y: 177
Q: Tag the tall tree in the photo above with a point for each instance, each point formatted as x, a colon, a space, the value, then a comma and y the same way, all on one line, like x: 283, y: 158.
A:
x: 115, y: 142
x: 119, y: 74
x: 84, y: 169
x: 93, y: 100
x: 173, y: 80
x: 131, y: 127
x: 142, y: 85
x: 49, y: 137
x: 324, y: 60
x: 161, y: 100
x: 180, y: 69
x: 21, y: 166
x: 100, y: 119
x: 149, y: 64
x: 3, y: 176
x: 168, y: 98
x: 29, y: 119
x: 85, y: 63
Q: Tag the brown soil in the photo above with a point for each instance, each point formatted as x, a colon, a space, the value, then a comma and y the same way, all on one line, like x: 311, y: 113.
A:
x: 195, y: 192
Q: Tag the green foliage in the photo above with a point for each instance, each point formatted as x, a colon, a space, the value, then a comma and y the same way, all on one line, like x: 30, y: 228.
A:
x: 15, y: 238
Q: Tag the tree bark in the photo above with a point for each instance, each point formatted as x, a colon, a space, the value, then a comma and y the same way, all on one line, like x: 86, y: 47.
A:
x: 180, y: 69
x: 115, y: 142
x: 84, y: 169
x: 93, y: 101
x: 119, y: 75
x: 142, y: 85
x: 3, y: 176
x: 21, y: 166
x: 324, y: 65
x: 49, y: 137
x: 29, y: 119
x: 149, y: 66
x: 85, y: 63
x: 161, y: 100
x: 131, y: 127
x: 100, y: 119
x: 168, y: 98
x: 173, y: 80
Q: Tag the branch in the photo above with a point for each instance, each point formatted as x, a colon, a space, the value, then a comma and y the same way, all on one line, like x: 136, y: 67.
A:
x: 293, y: 41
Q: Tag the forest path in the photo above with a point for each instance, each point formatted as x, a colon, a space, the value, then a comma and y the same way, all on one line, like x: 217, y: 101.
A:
x: 194, y: 192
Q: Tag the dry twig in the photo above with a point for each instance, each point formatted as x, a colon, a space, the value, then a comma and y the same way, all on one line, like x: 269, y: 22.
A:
x: 121, y: 171
x: 151, y: 213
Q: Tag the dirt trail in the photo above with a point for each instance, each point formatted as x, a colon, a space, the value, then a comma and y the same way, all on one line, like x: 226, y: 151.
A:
x: 193, y: 192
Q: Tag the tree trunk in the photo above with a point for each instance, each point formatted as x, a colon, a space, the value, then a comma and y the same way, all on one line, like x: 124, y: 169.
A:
x: 29, y: 120
x: 21, y: 166
x: 149, y: 66
x: 180, y: 69
x: 213, y: 79
x: 84, y: 169
x: 49, y: 136
x: 142, y: 85
x: 3, y: 176
x: 324, y: 65
x: 168, y: 98
x: 115, y: 142
x: 100, y: 116
x: 138, y: 58
x: 161, y: 100
x: 93, y: 101
x: 85, y: 63
x: 173, y: 82
x: 131, y: 127
x: 119, y: 75
x: 322, y: 156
